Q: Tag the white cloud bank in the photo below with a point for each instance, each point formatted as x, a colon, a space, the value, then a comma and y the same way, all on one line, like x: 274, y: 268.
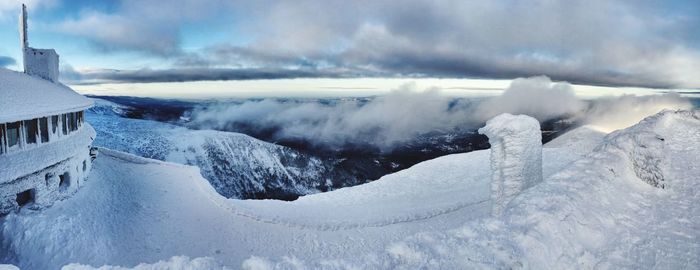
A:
x: 611, y: 114
x: 407, y: 112
x: 536, y: 96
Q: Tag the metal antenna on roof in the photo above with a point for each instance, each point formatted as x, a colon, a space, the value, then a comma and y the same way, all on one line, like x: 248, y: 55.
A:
x: 23, y: 27
x: 23, y: 34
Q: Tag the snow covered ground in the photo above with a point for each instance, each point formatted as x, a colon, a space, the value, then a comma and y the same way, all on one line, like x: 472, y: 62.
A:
x: 595, y: 209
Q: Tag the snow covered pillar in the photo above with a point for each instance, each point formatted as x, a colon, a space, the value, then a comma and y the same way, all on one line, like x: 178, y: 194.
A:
x: 516, y: 157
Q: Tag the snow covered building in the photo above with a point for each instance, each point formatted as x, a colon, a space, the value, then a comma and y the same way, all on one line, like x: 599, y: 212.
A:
x: 45, y: 145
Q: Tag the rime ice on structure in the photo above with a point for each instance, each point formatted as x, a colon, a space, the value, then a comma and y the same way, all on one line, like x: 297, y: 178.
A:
x: 45, y: 145
x: 42, y: 63
x: 516, y: 156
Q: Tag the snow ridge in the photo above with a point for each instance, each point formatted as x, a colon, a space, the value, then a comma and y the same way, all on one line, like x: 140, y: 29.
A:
x: 644, y: 143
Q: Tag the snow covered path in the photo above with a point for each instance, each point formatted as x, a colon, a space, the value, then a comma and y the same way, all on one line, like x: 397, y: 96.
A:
x: 428, y: 189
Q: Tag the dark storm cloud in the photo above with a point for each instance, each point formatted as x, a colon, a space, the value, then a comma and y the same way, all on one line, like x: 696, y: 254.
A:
x: 7, y: 61
x: 615, y: 43
x: 193, y: 74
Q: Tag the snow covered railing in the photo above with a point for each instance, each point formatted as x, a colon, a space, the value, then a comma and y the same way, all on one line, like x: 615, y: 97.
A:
x: 516, y: 157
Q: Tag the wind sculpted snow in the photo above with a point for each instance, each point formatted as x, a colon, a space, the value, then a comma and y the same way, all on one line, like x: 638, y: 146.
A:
x: 591, y: 211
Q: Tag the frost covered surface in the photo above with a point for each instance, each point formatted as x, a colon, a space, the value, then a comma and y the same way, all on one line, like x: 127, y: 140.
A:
x: 516, y: 156
x: 581, y: 139
x: 590, y: 212
x: 26, y: 97
x: 174, y: 263
x: 431, y: 188
x: 105, y: 107
x: 42, y: 63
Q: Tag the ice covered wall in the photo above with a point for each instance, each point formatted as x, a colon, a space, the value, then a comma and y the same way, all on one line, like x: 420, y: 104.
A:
x: 516, y: 156
x: 42, y: 63
x: 52, y: 171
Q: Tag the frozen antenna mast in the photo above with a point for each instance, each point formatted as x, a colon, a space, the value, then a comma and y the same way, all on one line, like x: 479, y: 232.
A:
x: 23, y: 27
x: 42, y: 63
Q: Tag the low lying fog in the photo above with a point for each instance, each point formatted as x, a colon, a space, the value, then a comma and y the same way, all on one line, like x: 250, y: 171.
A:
x: 407, y: 112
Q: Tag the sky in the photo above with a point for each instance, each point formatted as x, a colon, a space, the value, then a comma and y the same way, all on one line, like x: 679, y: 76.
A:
x: 140, y: 47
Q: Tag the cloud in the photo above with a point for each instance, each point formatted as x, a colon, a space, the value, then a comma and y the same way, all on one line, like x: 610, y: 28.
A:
x: 538, y: 97
x: 6, y: 61
x: 615, y: 113
x: 407, y: 113
x: 613, y: 43
x: 149, y: 26
x: 382, y: 121
x: 10, y: 9
x: 73, y: 76
x: 114, y: 32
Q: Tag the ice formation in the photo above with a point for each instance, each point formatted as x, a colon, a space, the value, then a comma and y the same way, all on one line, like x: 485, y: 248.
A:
x: 174, y: 263
x: 516, y: 156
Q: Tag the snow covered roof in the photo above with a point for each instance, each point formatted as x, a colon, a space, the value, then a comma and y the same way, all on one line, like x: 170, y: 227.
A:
x: 25, y: 97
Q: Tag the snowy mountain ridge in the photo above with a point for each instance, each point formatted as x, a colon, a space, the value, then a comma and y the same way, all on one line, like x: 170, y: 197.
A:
x: 237, y: 165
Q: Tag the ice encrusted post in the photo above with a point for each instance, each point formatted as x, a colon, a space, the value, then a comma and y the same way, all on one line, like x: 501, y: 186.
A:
x: 516, y: 157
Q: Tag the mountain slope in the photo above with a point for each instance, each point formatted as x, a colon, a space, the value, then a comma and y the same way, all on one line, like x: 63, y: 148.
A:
x: 237, y: 165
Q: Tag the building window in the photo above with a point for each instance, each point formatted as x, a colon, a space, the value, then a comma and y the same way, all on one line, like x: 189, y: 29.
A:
x: 69, y: 122
x: 64, y: 182
x: 2, y: 138
x: 31, y: 129
x: 81, y: 118
x: 65, y: 124
x: 44, y: 129
x: 54, y: 124
x: 25, y: 197
x: 73, y: 121
x: 13, y: 133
